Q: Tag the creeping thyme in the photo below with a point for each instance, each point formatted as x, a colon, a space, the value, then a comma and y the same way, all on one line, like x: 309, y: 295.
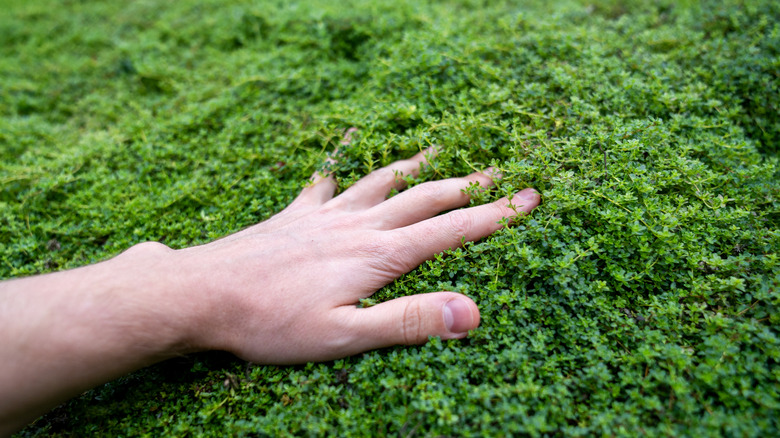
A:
x: 640, y: 298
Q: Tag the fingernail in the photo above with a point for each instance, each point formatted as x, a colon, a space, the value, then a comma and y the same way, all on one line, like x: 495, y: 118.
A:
x: 457, y: 316
x: 529, y: 194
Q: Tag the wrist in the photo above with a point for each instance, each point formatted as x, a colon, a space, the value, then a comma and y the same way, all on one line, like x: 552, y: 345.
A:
x: 65, y: 332
x: 151, y: 288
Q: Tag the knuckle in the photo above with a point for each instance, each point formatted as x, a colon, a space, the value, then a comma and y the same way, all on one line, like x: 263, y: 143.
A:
x: 348, y: 222
x: 329, y: 209
x: 373, y: 247
x: 384, y: 174
x: 482, y: 179
x: 412, y: 324
x: 385, y: 257
x: 340, y: 335
x: 459, y: 223
x: 503, y: 208
x: 430, y: 192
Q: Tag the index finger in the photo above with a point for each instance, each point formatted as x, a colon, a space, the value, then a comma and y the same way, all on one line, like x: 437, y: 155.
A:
x: 322, y: 185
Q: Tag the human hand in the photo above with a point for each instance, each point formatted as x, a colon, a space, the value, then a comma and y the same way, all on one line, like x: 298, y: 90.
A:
x: 282, y: 291
x: 285, y: 290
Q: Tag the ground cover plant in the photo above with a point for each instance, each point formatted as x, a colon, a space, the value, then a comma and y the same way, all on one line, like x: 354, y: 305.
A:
x: 641, y: 297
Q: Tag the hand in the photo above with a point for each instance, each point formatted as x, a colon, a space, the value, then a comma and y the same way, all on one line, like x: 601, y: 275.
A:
x: 285, y: 290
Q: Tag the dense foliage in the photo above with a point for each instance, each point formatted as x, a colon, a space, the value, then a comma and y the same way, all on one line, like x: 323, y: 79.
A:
x: 642, y: 297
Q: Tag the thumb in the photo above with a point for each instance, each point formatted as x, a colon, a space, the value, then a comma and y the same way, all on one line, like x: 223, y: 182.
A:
x: 411, y: 320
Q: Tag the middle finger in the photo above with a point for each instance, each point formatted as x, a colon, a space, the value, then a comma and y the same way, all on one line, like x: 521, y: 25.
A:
x: 374, y: 187
x: 427, y: 200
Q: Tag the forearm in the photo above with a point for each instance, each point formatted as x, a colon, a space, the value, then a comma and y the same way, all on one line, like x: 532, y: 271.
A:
x: 66, y: 332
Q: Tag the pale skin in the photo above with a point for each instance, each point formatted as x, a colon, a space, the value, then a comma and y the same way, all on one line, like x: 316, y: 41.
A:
x: 283, y: 291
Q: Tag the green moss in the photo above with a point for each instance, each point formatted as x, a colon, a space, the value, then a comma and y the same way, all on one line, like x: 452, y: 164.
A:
x: 640, y: 298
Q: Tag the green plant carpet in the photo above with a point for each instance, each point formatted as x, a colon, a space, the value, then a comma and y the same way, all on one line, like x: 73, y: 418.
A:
x: 641, y: 298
